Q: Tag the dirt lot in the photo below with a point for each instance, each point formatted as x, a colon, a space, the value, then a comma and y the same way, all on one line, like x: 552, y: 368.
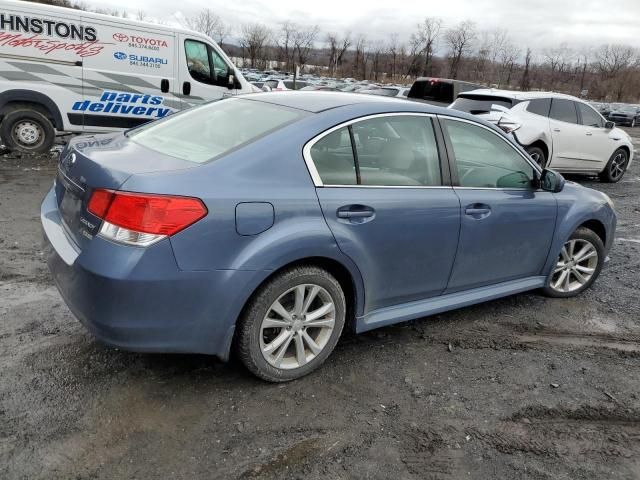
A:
x: 524, y: 387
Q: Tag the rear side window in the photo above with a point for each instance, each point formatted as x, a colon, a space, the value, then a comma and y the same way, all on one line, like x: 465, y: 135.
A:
x: 387, y: 151
x: 563, y: 111
x: 271, y: 83
x: 477, y: 104
x: 207, y: 132
x: 539, y: 106
x: 334, y: 160
x: 590, y: 117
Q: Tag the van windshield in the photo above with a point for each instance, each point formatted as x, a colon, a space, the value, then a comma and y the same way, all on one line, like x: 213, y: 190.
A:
x: 205, y: 133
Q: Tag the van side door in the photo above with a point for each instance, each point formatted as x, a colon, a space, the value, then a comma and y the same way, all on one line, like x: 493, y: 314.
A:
x: 203, y: 72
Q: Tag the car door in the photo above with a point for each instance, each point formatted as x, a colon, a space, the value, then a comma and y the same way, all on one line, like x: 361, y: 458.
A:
x: 567, y: 136
x: 507, y: 225
x: 380, y: 185
x: 597, y: 147
x: 204, y: 73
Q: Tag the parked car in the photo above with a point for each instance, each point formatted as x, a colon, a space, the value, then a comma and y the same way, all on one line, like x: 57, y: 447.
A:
x: 319, y: 88
x: 602, y: 108
x: 439, y: 91
x: 248, y: 224
x: 102, y: 73
x: 558, y: 131
x: 280, y: 85
x: 399, y: 92
x: 628, y: 115
x: 261, y: 86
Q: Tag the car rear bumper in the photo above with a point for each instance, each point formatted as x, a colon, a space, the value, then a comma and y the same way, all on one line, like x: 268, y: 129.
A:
x: 137, y: 298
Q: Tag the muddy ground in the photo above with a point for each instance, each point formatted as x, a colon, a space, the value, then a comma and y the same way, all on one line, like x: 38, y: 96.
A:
x: 524, y: 387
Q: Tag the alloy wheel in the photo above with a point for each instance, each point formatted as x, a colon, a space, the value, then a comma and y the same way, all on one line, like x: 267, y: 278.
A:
x: 576, y: 265
x: 618, y: 165
x: 297, y: 326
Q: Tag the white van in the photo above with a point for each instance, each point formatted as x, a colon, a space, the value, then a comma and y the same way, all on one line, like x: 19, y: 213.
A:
x: 68, y: 70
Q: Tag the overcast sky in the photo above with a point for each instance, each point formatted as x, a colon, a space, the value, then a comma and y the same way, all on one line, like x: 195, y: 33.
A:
x: 534, y: 23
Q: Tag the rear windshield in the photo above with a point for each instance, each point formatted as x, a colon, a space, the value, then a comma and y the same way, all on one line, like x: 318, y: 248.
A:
x: 432, y: 91
x: 204, y: 133
x: 478, y: 104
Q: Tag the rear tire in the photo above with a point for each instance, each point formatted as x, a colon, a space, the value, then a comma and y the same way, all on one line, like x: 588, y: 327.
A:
x: 616, y: 167
x: 579, y: 264
x: 27, y: 130
x: 283, y: 334
x: 537, y: 155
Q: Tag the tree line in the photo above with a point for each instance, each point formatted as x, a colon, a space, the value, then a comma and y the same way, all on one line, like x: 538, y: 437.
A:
x: 461, y: 51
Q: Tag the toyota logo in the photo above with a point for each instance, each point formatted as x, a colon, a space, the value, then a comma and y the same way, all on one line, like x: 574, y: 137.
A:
x: 120, y: 55
x: 120, y: 37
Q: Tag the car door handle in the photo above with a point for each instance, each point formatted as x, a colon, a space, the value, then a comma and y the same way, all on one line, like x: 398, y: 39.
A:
x: 556, y: 130
x: 355, y: 214
x: 589, y: 134
x: 477, y: 211
x: 186, y: 88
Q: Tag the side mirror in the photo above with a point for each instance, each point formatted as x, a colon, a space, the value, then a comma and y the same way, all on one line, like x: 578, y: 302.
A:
x: 609, y: 125
x: 551, y: 181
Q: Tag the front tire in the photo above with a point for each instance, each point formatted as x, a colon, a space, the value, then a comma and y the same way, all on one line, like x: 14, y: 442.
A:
x: 292, y: 324
x: 26, y: 130
x: 579, y: 264
x: 616, y: 167
x: 537, y: 155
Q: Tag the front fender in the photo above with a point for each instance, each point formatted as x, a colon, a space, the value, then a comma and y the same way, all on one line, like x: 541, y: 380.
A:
x: 576, y: 206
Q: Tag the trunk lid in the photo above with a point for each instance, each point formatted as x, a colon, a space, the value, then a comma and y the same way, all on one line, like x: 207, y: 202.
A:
x: 100, y: 161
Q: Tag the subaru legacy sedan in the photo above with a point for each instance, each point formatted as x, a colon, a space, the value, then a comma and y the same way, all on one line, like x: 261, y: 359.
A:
x: 265, y: 225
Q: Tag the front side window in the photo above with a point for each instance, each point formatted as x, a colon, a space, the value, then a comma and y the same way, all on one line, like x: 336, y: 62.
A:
x: 205, y: 65
x: 563, y: 110
x: 393, y: 150
x: 486, y: 160
x: 209, y: 131
x: 590, y: 117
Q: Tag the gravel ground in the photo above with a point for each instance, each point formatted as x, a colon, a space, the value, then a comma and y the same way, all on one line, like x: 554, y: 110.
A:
x: 523, y: 387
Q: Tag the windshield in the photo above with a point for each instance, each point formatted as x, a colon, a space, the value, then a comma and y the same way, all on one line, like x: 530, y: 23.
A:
x: 201, y: 134
x: 627, y: 109
x: 478, y: 104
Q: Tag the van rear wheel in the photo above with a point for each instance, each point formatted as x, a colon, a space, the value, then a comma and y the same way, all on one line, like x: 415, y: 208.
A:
x: 28, y: 131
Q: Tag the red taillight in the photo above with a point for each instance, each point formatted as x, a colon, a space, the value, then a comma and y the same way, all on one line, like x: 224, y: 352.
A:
x: 146, y: 213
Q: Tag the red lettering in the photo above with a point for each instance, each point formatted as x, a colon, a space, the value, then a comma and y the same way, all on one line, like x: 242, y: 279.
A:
x: 85, y: 49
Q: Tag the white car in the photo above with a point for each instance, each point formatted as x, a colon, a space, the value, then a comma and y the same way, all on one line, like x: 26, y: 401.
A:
x: 278, y: 85
x: 558, y: 131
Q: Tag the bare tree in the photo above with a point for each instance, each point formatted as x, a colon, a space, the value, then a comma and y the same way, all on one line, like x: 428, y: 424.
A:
x: 141, y: 15
x: 210, y: 24
x: 460, y: 40
x: 393, y: 54
x: 525, y: 83
x: 286, y: 45
x: 303, y: 42
x: 427, y: 35
x: 253, y: 39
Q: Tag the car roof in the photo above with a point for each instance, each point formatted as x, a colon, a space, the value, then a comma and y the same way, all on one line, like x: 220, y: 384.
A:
x: 516, y: 95
x: 319, y: 101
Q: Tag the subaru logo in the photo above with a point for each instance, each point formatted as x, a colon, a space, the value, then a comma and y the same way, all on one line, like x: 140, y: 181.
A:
x: 120, y: 37
x: 120, y: 55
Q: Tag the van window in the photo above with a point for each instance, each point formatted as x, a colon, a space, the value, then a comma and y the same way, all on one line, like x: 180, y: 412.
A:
x: 205, y: 65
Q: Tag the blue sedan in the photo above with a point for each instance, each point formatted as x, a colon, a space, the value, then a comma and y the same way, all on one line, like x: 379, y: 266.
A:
x: 268, y: 223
